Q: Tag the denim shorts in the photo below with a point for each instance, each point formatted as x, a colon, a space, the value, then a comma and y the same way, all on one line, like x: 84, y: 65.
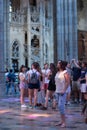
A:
x: 61, y: 99
x: 33, y: 86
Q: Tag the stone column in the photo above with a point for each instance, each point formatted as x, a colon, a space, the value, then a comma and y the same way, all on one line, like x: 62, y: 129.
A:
x: 6, y: 34
x: 55, y: 30
x: 1, y: 47
x: 3, y: 21
x: 66, y: 29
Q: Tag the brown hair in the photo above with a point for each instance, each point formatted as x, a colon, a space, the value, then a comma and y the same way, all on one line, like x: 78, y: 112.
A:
x: 52, y: 68
x: 63, y: 64
x: 22, y: 66
x: 36, y: 65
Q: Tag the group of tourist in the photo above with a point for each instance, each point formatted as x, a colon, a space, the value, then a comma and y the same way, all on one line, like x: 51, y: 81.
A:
x: 53, y: 83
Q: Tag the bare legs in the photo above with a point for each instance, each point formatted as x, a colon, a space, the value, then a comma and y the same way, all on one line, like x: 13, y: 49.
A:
x: 33, y: 93
x: 22, y: 96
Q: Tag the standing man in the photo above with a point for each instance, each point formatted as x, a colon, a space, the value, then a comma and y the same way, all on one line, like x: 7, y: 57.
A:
x: 76, y: 73
x: 11, y: 77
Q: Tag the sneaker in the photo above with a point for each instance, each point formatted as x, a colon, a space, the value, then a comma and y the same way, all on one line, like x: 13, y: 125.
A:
x: 58, y: 124
x: 76, y: 101
x: 68, y: 103
x: 35, y: 107
x: 44, y: 108
x: 23, y: 106
x: 30, y: 107
x: 38, y: 104
x: 80, y: 101
x: 63, y: 125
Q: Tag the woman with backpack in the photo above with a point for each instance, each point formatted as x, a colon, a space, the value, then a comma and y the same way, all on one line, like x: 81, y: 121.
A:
x: 33, y: 84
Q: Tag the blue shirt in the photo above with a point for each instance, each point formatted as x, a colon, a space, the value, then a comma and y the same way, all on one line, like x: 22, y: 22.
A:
x: 76, y: 73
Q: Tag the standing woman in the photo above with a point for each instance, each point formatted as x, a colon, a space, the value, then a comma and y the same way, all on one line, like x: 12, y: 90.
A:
x: 51, y: 87
x: 62, y: 82
x: 22, y: 85
x: 33, y: 84
x: 82, y: 80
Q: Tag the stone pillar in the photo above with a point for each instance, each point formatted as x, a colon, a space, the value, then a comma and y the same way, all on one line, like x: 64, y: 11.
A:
x: 55, y: 31
x: 66, y: 29
x: 1, y: 47
x: 6, y: 34
x: 3, y: 35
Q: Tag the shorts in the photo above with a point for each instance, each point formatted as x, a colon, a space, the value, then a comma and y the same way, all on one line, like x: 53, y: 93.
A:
x: 33, y: 86
x: 75, y: 85
x: 83, y: 88
x: 61, y: 99
x: 45, y: 86
x: 22, y: 85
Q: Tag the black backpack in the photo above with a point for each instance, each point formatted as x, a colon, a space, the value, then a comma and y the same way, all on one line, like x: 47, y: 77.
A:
x: 11, y: 77
x: 33, y: 78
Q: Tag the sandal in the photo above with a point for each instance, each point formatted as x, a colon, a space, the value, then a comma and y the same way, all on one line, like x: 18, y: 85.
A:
x: 44, y: 108
x: 63, y: 125
x: 58, y: 124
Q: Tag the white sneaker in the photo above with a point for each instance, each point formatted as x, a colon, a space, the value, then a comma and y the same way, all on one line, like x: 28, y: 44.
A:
x: 76, y: 101
x: 68, y: 103
x: 23, y: 106
x: 30, y: 107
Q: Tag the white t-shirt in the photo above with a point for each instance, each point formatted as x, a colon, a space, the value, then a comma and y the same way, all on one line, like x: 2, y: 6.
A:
x: 21, y: 76
x: 60, y: 81
x: 45, y: 72
x: 6, y: 76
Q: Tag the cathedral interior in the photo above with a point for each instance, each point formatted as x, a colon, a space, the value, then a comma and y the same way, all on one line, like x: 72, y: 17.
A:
x: 37, y: 46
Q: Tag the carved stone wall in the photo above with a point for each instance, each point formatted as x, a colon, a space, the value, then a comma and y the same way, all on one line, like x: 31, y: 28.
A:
x: 82, y: 30
x: 82, y: 15
x: 82, y: 45
x: 36, y: 21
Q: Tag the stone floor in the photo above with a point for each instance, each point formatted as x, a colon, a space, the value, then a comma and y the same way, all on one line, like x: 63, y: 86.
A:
x: 13, y: 118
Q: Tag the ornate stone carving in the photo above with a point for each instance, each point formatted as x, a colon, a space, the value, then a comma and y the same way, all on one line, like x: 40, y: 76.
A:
x: 35, y: 49
x: 35, y: 42
x: 35, y: 54
x: 35, y: 18
x: 15, y: 50
x: 25, y: 50
x: 35, y: 30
